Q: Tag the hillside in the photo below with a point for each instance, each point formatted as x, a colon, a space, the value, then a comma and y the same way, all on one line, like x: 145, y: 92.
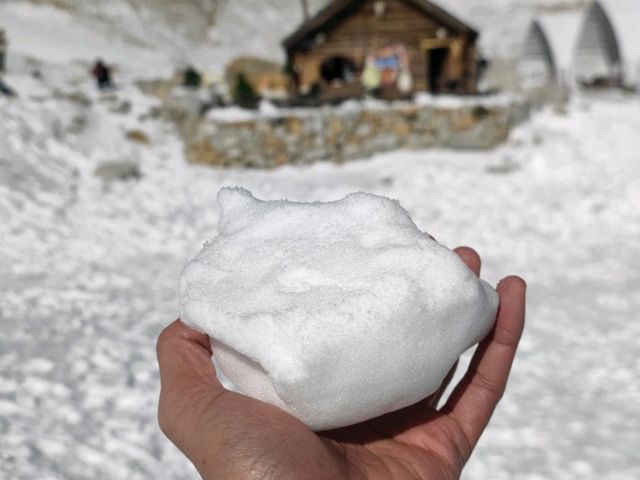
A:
x: 212, y: 32
x: 205, y: 32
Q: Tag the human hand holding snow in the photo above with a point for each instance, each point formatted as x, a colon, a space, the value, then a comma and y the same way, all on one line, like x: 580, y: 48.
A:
x: 228, y: 435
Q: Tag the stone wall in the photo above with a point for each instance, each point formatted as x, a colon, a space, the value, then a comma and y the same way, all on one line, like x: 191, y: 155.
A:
x: 350, y: 132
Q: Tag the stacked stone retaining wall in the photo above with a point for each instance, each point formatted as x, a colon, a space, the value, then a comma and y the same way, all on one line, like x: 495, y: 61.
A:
x: 347, y: 133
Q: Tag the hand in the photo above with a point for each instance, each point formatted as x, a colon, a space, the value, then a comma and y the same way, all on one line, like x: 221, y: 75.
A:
x: 230, y: 436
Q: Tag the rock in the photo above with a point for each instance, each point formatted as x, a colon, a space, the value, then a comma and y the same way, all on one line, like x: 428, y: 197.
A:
x: 138, y: 136
x: 118, y: 171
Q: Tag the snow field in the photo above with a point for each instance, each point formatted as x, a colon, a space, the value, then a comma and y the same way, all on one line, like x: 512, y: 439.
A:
x: 557, y: 205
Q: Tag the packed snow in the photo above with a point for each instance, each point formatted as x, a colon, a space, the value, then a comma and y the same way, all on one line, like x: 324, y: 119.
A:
x: 364, y: 313
x: 88, y: 269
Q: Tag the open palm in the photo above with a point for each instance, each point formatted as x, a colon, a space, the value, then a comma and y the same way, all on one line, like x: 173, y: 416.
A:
x: 230, y: 436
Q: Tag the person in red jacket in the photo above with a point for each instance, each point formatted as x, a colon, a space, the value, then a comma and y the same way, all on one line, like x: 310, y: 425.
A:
x: 102, y: 73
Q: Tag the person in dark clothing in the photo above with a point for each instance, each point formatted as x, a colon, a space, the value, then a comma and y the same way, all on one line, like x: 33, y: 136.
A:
x: 6, y: 90
x: 192, y: 78
x: 4, y: 43
x: 102, y: 73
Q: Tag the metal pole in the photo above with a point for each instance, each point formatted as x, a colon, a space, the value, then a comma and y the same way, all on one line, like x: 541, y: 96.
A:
x: 3, y: 50
x: 305, y: 9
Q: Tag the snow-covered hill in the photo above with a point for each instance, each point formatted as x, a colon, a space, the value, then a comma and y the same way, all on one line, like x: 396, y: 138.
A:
x: 212, y: 32
x: 208, y: 33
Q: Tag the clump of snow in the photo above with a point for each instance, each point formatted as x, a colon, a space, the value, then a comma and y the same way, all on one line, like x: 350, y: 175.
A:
x: 457, y: 101
x: 232, y: 114
x: 268, y: 109
x: 335, y: 312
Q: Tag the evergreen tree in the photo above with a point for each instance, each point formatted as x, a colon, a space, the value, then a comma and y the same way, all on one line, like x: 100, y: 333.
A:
x: 243, y: 94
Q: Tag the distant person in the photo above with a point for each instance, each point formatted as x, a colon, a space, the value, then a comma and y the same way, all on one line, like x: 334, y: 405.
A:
x: 6, y: 90
x: 371, y: 76
x: 483, y: 65
x: 192, y: 78
x: 102, y: 73
x: 4, y: 44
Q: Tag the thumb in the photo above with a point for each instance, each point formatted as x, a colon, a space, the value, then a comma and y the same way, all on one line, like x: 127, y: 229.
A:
x: 188, y: 382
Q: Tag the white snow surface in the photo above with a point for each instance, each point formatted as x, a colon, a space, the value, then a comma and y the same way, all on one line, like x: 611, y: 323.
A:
x: 336, y: 287
x: 62, y: 39
x: 88, y: 271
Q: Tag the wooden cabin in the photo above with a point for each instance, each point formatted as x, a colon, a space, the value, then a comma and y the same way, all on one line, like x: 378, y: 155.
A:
x: 386, y: 47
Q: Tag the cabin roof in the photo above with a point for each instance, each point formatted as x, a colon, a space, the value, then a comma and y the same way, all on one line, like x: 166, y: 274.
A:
x: 337, y: 7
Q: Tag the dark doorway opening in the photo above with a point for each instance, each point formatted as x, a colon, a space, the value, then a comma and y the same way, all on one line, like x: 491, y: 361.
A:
x: 435, y: 64
x: 340, y: 69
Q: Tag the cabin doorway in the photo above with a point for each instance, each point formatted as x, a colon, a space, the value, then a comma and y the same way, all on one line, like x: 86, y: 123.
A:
x: 338, y: 70
x: 436, y: 60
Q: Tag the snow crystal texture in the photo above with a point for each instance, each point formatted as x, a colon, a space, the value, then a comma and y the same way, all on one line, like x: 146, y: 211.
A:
x: 335, y: 312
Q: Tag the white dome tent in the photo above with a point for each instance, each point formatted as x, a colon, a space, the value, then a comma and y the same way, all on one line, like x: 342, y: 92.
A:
x: 608, y: 51
x: 548, y: 55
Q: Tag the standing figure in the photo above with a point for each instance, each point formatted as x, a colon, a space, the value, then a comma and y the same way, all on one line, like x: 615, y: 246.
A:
x: 3, y: 50
x: 6, y: 89
x: 371, y: 76
x: 102, y: 74
x: 192, y: 78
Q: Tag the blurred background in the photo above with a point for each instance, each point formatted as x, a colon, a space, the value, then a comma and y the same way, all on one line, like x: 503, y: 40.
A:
x: 508, y: 125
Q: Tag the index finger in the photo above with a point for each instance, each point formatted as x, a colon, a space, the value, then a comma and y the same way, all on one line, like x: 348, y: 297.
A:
x: 474, y: 399
x: 470, y: 257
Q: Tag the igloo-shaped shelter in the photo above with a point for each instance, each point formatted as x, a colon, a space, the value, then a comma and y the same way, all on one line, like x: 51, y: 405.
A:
x: 608, y: 49
x: 548, y: 55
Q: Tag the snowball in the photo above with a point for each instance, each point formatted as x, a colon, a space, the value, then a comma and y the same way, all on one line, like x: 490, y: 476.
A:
x: 335, y: 312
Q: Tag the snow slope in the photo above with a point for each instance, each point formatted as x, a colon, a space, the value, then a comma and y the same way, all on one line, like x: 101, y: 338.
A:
x: 211, y: 33
x: 80, y: 258
x: 557, y: 205
x: 208, y: 33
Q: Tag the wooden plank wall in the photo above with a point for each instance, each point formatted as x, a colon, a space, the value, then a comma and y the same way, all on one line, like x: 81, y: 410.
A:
x: 362, y: 32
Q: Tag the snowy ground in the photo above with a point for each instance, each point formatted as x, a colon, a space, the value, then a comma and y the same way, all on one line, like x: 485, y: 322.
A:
x: 88, y: 274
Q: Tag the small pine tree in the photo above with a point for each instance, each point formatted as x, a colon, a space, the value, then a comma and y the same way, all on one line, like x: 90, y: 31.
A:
x: 244, y: 94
